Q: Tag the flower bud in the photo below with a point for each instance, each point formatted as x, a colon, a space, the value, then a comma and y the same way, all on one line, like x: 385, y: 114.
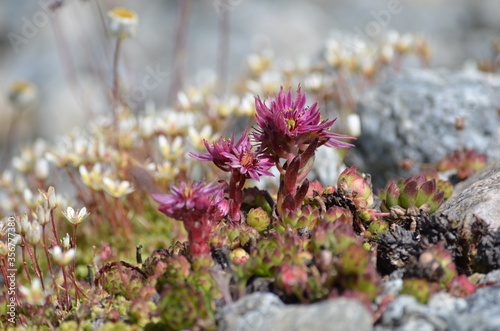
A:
x: 43, y: 215
x: 42, y: 169
x: 65, y: 242
x: 122, y: 23
x: 34, y: 233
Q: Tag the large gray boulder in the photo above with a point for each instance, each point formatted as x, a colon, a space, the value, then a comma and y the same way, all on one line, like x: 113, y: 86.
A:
x: 480, y: 311
x: 412, y: 115
x: 264, y: 311
x: 479, y: 195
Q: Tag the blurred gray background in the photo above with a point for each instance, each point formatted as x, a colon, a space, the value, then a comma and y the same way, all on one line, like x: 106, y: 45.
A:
x: 68, y: 55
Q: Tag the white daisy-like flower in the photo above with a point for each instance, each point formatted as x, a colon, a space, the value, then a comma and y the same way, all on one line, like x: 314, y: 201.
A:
x: 34, y: 295
x: 122, y: 23
x: 92, y: 179
x: 62, y: 258
x: 196, y: 137
x: 76, y: 217
x: 117, y: 188
x: 171, y: 150
x: 23, y: 94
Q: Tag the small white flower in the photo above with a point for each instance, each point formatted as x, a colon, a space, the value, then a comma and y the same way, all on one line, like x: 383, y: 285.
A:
x: 166, y: 171
x: 314, y: 82
x: 117, y: 188
x: 353, y: 125
x: 42, y: 215
x: 92, y: 179
x: 42, y: 169
x: 34, y: 233
x: 196, y: 137
x: 76, y: 218
x: 6, y: 178
x: 65, y: 242
x: 62, y: 258
x: 35, y: 295
x: 21, y: 164
x: 22, y: 223
x: 122, y: 23
x: 247, y: 106
x: 22, y: 94
x: 170, y: 151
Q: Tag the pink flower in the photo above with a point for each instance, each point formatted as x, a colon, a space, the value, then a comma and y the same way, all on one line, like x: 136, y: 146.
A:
x: 197, y: 206
x: 192, y: 201
x: 239, y: 156
x: 287, y: 126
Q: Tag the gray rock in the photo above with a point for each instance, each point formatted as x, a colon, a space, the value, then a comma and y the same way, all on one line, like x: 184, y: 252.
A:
x: 412, y: 115
x: 481, y: 198
x: 264, y: 311
x: 483, y: 312
x: 249, y: 312
x: 480, y: 311
x: 490, y: 278
x: 405, y: 313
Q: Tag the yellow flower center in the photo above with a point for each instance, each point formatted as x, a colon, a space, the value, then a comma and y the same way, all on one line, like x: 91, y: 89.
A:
x: 247, y: 160
x: 20, y: 86
x: 123, y: 13
x: 188, y: 191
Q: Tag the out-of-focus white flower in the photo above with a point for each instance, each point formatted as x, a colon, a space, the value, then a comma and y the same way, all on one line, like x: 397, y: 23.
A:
x: 171, y: 151
x: 226, y: 106
x: 117, y: 188
x: 65, y: 242
x: 93, y: 178
x: 22, y: 94
x: 19, y: 184
x: 22, y: 223
x: 247, y: 106
x: 122, y: 23
x: 77, y: 217
x: 35, y: 295
x: 28, y: 197
x: 387, y: 53
x: 314, y: 82
x: 50, y: 197
x: 24, y: 163
x: 42, y: 215
x: 147, y: 126
x: 6, y: 179
x: 405, y: 43
x: 62, y: 258
x: 177, y: 122
x: 196, y: 137
x: 42, y: 169
x: 34, y: 233
x: 353, y: 125
x: 128, y: 133
x: 258, y: 63
x: 165, y: 171
x: 269, y: 83
x: 4, y: 250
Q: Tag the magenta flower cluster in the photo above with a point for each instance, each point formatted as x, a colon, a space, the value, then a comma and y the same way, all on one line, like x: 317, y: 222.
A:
x: 286, y: 129
x: 198, y: 206
x: 286, y: 126
x: 239, y: 158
